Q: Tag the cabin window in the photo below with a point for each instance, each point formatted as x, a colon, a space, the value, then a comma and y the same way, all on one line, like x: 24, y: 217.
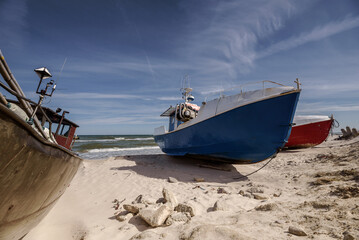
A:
x: 54, y: 127
x: 65, y: 129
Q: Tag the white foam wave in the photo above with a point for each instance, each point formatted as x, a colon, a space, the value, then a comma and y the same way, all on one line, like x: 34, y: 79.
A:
x: 116, y: 149
x: 139, y: 139
x: 102, y: 140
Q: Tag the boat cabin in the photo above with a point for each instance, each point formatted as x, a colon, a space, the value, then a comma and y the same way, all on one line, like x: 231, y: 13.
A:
x: 181, y: 113
x: 61, y: 128
x: 173, y: 121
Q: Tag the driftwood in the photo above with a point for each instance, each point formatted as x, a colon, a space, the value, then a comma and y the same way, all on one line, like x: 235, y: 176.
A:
x: 348, y: 133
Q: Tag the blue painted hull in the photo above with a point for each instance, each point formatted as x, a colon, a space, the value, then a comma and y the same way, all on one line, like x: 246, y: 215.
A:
x: 246, y: 134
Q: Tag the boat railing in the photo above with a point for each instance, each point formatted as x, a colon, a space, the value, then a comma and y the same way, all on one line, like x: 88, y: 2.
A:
x: 243, y: 86
x: 15, y: 90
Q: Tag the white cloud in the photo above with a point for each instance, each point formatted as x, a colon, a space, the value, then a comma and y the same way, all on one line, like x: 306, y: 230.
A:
x: 316, y: 34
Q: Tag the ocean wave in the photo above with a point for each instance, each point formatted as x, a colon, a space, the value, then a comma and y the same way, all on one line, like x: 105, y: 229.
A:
x: 102, y: 140
x: 139, y: 139
x: 116, y: 149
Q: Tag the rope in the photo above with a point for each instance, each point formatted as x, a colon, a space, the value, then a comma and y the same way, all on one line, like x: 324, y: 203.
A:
x: 247, y: 175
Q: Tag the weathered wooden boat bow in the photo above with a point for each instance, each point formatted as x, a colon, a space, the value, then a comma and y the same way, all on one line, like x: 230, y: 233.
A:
x: 36, y: 165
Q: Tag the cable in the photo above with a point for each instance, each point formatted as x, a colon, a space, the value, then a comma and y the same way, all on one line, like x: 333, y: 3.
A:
x: 245, y: 176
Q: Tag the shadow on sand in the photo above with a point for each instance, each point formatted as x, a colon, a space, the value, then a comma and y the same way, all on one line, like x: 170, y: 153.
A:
x: 184, y: 169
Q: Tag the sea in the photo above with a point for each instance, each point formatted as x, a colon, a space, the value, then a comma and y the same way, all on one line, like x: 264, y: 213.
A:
x: 104, y: 146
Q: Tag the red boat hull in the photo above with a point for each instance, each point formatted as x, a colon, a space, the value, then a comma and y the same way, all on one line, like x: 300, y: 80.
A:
x: 310, y: 134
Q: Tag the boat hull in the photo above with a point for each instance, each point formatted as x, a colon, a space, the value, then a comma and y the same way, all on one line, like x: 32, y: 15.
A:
x: 309, y: 135
x: 34, y: 173
x: 246, y: 134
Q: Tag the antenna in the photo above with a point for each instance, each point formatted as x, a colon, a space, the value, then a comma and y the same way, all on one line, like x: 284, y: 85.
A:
x: 186, y: 90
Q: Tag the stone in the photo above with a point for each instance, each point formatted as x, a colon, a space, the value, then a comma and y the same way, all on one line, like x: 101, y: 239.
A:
x: 145, y: 235
x: 259, y: 196
x: 145, y: 199
x: 148, y: 200
x: 241, y: 192
x: 170, y: 198
x: 155, y: 218
x: 212, y: 232
x: 178, y: 217
x: 255, y: 190
x: 134, y: 208
x: 277, y: 194
x: 222, y: 190
x: 267, y: 207
x: 296, y: 231
x: 247, y: 195
x: 172, y: 180
x: 221, y: 205
x: 355, y: 132
x: 123, y: 216
x: 347, y: 236
x: 321, y: 205
x: 197, y: 179
x: 185, y: 207
x: 138, y: 199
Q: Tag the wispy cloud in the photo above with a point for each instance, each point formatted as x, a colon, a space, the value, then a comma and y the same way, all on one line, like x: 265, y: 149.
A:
x: 322, y: 107
x: 88, y: 95
x: 233, y: 34
x: 132, y: 120
x: 316, y: 34
x: 95, y: 96
x: 13, y: 21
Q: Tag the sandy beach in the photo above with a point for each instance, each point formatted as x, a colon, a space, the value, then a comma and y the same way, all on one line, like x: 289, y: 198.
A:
x: 312, y: 192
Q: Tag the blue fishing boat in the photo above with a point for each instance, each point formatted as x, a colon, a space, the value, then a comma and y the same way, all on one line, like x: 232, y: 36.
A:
x: 246, y: 127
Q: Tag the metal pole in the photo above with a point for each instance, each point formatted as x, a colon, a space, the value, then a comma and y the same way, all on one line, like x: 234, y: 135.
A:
x: 14, y: 86
x: 11, y: 75
x: 3, y: 99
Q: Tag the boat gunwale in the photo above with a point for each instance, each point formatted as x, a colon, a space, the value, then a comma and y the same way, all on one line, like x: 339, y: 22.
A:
x: 303, y: 124
x: 270, y: 97
x: 28, y: 128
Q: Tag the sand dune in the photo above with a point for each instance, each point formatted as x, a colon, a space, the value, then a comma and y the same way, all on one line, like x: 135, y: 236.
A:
x: 315, y: 190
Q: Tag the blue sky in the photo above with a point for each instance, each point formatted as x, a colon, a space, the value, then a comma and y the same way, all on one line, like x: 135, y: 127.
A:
x: 125, y: 60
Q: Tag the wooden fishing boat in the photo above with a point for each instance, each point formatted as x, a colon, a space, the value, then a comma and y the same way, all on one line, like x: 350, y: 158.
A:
x: 35, y: 169
x: 246, y: 127
x: 309, y: 131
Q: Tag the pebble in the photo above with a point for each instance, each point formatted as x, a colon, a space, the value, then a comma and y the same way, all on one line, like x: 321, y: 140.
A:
x: 169, y: 197
x: 183, y: 207
x: 347, y: 236
x: 213, y: 232
x: 255, y: 190
x: 266, y: 207
x: 155, y: 218
x: 259, y: 196
x: 296, y: 231
x: 222, y: 190
x: 198, y: 179
x: 123, y: 217
x: 172, y: 180
x: 134, y: 208
x: 178, y: 217
x: 221, y: 205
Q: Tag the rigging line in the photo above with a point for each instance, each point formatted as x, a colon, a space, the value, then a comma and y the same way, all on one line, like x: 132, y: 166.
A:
x: 247, y: 175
